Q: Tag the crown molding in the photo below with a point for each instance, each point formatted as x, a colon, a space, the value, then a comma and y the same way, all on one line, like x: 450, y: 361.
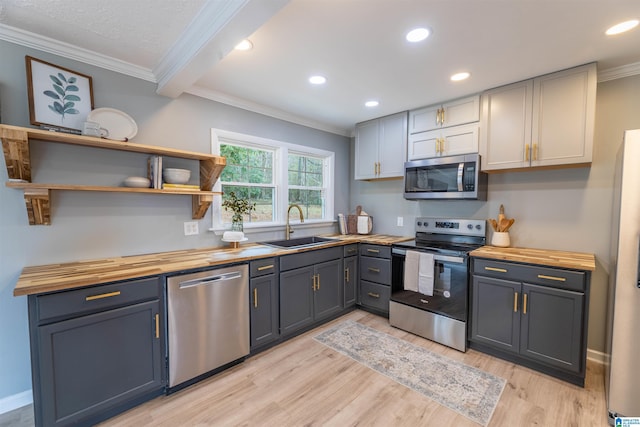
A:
x: 69, y: 51
x: 619, y: 72
x: 264, y: 110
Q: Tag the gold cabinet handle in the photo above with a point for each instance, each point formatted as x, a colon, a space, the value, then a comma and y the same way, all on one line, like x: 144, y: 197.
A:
x: 526, y: 152
x: 375, y: 270
x: 499, y: 270
x: 255, y: 297
x: 515, y: 302
x: 100, y: 296
x: 524, y: 304
x: 157, y: 326
x: 379, y: 168
x: 371, y: 294
x: 437, y: 145
x: 557, y: 279
x: 346, y: 274
x: 318, y: 282
x: 373, y: 251
x: 535, y: 151
x: 442, y: 116
x: 265, y: 267
x: 313, y: 282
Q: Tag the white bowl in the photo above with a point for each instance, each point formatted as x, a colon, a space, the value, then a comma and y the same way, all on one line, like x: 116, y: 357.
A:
x: 176, y: 176
x: 137, y: 182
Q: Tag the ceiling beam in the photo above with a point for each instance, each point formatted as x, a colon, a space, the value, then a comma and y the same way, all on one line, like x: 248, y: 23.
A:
x: 210, y: 36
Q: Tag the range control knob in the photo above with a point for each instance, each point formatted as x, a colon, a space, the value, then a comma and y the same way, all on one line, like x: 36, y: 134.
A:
x: 419, y: 223
x: 470, y: 226
x: 478, y: 227
x: 426, y: 224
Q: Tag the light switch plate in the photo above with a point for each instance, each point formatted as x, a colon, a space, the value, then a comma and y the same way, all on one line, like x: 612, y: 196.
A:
x: 190, y: 228
x: 400, y: 221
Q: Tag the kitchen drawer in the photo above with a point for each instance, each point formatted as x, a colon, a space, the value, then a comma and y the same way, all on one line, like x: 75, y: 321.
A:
x: 540, y: 275
x: 350, y: 250
x: 262, y: 267
x: 375, y: 270
x: 375, y: 251
x: 374, y: 295
x: 316, y: 256
x: 81, y: 301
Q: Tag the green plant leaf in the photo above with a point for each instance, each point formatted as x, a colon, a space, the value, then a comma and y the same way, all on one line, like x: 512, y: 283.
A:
x: 72, y: 88
x: 55, y: 80
x: 61, y: 76
x: 58, y: 107
x: 59, y: 89
x: 68, y: 105
x: 51, y: 94
x: 72, y: 111
x: 72, y: 80
x: 71, y: 98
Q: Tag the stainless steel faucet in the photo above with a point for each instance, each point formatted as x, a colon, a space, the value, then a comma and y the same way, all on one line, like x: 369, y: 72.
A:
x: 289, y: 230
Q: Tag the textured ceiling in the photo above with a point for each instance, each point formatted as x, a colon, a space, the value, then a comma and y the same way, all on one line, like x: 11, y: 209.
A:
x: 358, y: 45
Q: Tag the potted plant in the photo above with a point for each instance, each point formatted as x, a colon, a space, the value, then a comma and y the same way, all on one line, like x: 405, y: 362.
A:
x: 239, y: 207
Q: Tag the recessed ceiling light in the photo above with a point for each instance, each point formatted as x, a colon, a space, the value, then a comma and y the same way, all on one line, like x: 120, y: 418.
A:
x: 244, y: 45
x: 417, y: 35
x: 317, y: 80
x: 460, y: 76
x: 371, y: 104
x: 622, y: 27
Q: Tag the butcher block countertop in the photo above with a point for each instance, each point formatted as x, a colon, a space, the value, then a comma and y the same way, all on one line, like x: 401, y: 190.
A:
x: 562, y: 259
x: 59, y: 277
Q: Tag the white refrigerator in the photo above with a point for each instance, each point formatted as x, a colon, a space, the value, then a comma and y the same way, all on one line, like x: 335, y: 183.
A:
x: 622, y: 376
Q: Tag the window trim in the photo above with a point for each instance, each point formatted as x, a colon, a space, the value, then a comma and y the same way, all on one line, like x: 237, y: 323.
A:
x: 281, y: 150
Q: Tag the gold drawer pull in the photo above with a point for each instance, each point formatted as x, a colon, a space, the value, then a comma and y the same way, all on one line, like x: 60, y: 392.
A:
x: 373, y: 251
x: 265, y: 267
x: 371, y: 294
x: 375, y: 270
x: 499, y: 270
x: 524, y: 305
x: 346, y: 275
x: 515, y: 302
x: 255, y: 297
x: 557, y: 279
x: 107, y: 295
x: 157, y: 326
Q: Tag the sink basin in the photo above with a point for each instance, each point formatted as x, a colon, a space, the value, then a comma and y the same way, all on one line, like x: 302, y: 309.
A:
x: 298, y: 243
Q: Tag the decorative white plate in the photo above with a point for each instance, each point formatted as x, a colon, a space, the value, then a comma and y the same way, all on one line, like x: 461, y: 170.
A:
x: 137, y: 182
x: 120, y: 125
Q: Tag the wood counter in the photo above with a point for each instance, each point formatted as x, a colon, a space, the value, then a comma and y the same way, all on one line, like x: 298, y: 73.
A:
x: 58, y: 277
x: 562, y: 259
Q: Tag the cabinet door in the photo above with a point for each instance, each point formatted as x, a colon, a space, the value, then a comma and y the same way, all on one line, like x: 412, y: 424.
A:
x: 424, y: 119
x: 350, y: 280
x: 264, y: 310
x: 90, y: 364
x: 328, y: 298
x: 392, y: 145
x: 459, y: 140
x: 296, y: 299
x: 495, y: 313
x: 366, y: 150
x: 552, y: 326
x: 505, y: 129
x: 461, y: 111
x: 423, y: 145
x: 563, y: 117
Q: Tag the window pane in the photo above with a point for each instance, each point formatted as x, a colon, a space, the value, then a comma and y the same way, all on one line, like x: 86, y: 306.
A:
x: 263, y: 197
x: 248, y: 165
x: 305, y: 171
x: 310, y: 201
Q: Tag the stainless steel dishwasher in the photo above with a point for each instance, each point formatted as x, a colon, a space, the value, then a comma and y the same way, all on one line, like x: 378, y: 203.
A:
x: 208, y: 316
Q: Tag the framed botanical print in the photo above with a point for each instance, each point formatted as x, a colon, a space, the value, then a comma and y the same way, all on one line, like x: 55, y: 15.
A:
x: 58, y: 97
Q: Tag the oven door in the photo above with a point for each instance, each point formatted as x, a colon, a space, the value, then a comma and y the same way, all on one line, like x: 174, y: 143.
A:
x: 450, y: 285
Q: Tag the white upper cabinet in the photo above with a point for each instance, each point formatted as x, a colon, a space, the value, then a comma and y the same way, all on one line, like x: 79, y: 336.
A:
x: 450, y: 141
x: 547, y: 121
x: 380, y: 147
x: 453, y: 113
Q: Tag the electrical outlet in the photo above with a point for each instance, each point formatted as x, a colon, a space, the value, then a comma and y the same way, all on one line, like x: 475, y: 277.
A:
x: 190, y: 228
x: 400, y: 221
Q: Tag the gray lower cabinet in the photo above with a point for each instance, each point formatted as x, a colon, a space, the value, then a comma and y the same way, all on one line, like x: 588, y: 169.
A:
x: 350, y: 275
x: 311, y: 288
x: 96, y: 351
x: 375, y: 278
x: 533, y: 315
x: 264, y: 304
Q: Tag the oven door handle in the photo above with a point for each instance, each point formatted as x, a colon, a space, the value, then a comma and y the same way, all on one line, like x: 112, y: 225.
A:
x: 445, y: 258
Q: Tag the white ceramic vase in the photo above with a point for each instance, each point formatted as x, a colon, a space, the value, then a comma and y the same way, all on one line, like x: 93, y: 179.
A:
x: 501, y: 239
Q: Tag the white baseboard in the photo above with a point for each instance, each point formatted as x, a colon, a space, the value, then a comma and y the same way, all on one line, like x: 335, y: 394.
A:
x: 16, y: 401
x: 595, y: 356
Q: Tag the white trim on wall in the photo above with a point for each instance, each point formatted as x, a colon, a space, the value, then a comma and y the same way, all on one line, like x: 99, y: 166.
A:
x: 16, y: 401
x: 619, y: 72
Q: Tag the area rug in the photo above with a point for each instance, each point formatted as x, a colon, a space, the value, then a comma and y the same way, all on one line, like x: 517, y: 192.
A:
x: 462, y: 388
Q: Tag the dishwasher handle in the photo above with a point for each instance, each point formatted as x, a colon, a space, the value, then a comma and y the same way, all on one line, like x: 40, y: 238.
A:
x: 210, y: 280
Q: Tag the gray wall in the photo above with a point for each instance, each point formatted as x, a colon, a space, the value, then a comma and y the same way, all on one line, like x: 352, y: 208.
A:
x: 97, y: 225
x: 566, y: 209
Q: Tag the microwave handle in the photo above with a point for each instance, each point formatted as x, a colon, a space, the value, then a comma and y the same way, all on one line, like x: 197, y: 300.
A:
x: 460, y: 176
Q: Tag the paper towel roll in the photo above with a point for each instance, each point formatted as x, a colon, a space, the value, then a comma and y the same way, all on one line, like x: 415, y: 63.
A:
x: 363, y: 224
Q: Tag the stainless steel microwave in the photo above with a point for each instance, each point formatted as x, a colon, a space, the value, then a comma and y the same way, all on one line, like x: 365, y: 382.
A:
x: 446, y: 178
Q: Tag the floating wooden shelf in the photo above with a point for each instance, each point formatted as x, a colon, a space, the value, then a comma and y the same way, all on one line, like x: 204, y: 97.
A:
x: 15, y: 146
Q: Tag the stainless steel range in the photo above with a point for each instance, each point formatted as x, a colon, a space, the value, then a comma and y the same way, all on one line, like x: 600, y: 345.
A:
x: 439, y: 314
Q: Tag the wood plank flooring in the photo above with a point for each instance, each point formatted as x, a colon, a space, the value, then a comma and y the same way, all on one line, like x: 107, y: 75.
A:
x: 304, y: 383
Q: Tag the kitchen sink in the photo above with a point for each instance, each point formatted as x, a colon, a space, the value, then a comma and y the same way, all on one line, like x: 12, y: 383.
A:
x: 299, y: 242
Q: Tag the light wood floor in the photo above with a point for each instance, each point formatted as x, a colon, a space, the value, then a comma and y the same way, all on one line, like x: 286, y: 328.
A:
x: 304, y: 383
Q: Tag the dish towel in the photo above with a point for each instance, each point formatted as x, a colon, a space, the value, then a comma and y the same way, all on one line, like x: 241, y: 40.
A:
x: 411, y: 265
x: 425, y: 274
x: 363, y: 224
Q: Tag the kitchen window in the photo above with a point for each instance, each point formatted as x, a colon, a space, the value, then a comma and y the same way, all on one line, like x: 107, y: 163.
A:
x: 273, y: 174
